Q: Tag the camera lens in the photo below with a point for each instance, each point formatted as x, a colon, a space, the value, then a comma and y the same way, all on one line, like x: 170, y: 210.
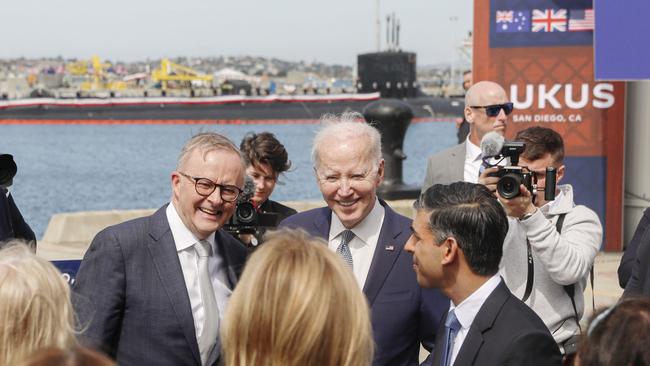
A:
x: 508, y: 185
x: 245, y: 213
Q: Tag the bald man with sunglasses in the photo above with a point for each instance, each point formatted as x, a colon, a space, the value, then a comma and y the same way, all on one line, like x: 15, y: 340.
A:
x: 486, y: 109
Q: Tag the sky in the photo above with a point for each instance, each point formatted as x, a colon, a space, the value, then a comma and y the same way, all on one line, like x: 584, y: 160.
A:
x: 329, y: 31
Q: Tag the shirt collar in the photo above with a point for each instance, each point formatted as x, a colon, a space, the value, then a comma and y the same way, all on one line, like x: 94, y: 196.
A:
x: 466, y: 311
x: 473, y: 152
x: 364, y: 229
x: 183, y: 237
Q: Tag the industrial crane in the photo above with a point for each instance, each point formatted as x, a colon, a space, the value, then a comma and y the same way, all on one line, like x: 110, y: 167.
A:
x: 96, y: 76
x: 170, y: 71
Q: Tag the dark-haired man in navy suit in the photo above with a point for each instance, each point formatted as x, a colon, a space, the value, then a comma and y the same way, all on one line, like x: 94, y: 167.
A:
x: 159, y: 285
x: 370, y: 237
x: 457, y: 243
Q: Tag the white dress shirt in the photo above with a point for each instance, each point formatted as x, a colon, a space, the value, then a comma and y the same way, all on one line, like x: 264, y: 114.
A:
x: 466, y: 311
x: 185, y: 240
x: 472, y: 162
x: 362, y: 246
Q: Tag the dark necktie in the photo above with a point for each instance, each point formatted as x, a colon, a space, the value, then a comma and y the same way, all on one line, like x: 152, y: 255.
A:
x: 344, y: 247
x: 484, y: 165
x: 452, y: 325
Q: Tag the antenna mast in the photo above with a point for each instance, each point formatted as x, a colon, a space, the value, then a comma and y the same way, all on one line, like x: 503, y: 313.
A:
x: 377, y: 28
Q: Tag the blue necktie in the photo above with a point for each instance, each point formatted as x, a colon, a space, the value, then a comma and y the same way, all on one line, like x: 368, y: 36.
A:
x: 452, y: 325
x: 344, y: 248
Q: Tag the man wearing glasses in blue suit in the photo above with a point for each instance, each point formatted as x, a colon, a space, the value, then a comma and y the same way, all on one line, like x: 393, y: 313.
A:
x: 158, y: 286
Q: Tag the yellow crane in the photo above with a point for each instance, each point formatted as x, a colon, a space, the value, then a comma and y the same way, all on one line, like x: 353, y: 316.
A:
x: 170, y: 71
x: 94, y: 70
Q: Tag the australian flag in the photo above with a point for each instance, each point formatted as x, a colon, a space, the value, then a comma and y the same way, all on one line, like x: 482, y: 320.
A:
x: 539, y: 23
x: 512, y: 21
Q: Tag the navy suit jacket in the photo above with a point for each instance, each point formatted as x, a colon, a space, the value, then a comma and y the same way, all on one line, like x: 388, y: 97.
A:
x: 134, y: 299
x: 402, y: 314
x: 12, y: 224
x: 504, y: 332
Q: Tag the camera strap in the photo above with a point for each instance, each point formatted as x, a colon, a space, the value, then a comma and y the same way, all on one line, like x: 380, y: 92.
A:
x: 531, y: 272
x: 569, y: 289
x: 531, y: 267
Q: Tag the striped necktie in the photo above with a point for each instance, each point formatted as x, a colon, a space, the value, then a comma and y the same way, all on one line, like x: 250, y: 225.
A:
x: 344, y: 247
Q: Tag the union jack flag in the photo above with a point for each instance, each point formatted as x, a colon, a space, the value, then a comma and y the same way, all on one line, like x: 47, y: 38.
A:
x: 549, y: 20
x: 504, y: 16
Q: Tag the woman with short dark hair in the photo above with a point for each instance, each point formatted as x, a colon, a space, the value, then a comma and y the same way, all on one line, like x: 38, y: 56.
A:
x: 266, y: 158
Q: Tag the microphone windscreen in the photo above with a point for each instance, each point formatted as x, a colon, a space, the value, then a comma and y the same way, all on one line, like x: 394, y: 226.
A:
x: 491, y: 144
x: 249, y: 186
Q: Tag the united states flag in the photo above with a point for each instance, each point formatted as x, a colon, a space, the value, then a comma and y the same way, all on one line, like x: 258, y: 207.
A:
x: 549, y: 20
x: 581, y: 20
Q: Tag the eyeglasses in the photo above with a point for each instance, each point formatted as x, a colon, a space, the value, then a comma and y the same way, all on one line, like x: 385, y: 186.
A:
x: 494, y: 109
x: 204, y: 187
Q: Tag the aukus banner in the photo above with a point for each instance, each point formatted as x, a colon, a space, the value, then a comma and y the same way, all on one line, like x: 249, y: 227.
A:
x: 541, y: 52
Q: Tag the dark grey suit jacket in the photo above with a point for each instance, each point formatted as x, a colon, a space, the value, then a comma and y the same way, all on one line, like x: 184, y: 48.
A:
x: 135, y: 302
x: 446, y: 166
x: 402, y: 314
x: 641, y: 239
x: 637, y: 256
x: 504, y: 332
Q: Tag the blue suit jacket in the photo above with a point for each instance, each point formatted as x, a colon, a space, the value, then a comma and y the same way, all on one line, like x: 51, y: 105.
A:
x: 134, y: 298
x: 402, y: 314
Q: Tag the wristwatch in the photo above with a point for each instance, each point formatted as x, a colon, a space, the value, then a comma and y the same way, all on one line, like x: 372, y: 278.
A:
x: 527, y: 216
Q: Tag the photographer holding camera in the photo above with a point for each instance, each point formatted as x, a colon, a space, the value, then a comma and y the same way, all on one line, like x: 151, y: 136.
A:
x: 551, y: 245
x: 266, y: 159
x: 12, y: 224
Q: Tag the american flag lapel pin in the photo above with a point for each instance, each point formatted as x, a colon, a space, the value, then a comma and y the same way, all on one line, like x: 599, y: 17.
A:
x: 390, y: 248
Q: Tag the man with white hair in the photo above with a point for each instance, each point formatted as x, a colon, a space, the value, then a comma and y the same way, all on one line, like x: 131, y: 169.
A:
x: 370, y: 237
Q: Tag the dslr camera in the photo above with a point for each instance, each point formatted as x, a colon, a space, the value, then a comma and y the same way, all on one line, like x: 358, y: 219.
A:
x: 511, y: 177
x: 246, y: 219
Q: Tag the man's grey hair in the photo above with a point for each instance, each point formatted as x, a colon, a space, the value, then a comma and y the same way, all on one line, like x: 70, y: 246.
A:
x: 348, y: 125
x: 207, y: 142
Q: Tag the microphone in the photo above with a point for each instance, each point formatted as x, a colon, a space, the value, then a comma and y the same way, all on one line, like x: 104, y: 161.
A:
x: 492, y: 144
x: 249, y: 188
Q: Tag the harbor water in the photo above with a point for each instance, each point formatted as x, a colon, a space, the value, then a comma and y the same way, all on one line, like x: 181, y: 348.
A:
x: 68, y: 168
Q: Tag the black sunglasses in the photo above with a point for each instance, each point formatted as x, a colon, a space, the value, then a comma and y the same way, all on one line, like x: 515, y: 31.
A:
x: 493, y: 110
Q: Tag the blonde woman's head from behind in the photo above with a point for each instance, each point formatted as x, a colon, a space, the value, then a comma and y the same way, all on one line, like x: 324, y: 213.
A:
x: 297, y: 304
x: 35, y: 307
